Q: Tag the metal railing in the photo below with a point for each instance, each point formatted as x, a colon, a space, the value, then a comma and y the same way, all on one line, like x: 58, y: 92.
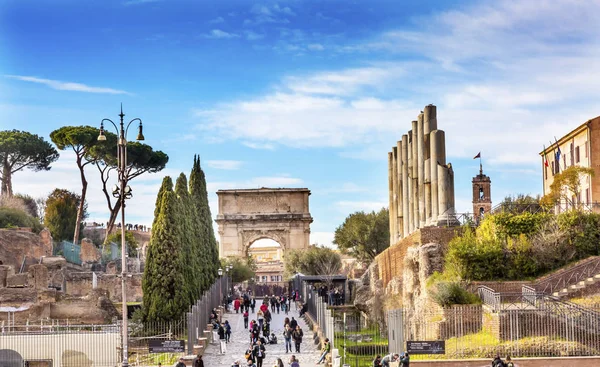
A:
x: 555, y: 329
x: 571, y: 276
x: 199, y: 315
x: 323, y: 316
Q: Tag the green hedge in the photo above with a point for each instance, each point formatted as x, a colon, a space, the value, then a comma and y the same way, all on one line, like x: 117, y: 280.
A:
x: 11, y: 218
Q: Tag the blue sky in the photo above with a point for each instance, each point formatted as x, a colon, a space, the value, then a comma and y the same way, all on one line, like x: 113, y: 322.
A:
x: 302, y: 93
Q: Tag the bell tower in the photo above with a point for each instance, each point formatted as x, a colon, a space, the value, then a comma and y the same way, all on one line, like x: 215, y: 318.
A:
x: 482, y: 195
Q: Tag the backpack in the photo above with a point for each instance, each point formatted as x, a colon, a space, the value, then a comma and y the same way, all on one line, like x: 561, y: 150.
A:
x: 295, y: 364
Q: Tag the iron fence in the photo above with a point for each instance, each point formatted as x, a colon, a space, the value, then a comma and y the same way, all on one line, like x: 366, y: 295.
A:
x: 199, y: 315
x: 358, y: 339
x: 322, y: 315
x: 545, y: 327
x: 586, y: 272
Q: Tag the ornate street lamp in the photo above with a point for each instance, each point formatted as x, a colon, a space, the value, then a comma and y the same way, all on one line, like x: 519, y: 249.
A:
x: 122, y: 192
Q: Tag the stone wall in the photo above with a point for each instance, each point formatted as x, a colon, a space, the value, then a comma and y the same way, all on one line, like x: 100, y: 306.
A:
x: 80, y: 284
x: 390, y: 262
x: 17, y: 245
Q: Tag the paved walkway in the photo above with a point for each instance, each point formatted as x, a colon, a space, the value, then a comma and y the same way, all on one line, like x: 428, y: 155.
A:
x: 240, y: 341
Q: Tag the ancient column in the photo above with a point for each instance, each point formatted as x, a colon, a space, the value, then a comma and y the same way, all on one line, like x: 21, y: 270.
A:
x: 399, y: 210
x: 415, y: 174
x: 411, y: 222
x: 443, y: 192
x: 391, y: 193
x: 430, y: 124
x: 438, y: 156
x: 394, y: 213
x: 405, y: 215
x: 421, y: 168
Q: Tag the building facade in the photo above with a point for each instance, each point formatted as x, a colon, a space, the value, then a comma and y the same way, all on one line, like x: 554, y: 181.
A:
x: 580, y: 147
x: 482, y: 195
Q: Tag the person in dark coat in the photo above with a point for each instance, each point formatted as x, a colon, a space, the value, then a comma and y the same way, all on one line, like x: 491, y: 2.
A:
x: 259, y: 353
x: 198, y: 362
x: 293, y: 323
x: 297, y: 336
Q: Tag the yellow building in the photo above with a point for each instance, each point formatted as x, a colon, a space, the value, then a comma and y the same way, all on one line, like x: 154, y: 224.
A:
x: 579, y: 147
x: 266, y: 254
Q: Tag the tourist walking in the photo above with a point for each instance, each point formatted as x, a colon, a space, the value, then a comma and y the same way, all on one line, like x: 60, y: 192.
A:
x: 294, y: 361
x: 259, y: 353
x: 236, y: 305
x: 497, y: 362
x: 404, y: 360
x: 245, y: 319
x: 260, y: 316
x: 227, y: 331
x: 198, y: 362
x: 326, y: 349
x: 180, y: 363
x: 287, y: 338
x: 221, y: 332
x: 293, y: 323
x: 252, y: 304
x: 279, y: 363
x: 297, y: 336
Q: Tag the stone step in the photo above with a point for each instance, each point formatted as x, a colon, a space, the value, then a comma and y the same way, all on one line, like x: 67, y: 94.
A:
x: 590, y: 281
x: 597, y: 276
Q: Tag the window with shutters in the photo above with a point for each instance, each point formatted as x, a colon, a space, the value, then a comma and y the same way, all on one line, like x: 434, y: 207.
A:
x: 577, y: 155
x: 587, y: 195
x: 586, y: 149
x: 571, y: 154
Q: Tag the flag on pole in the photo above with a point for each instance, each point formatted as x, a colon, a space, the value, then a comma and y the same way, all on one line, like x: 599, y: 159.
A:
x: 477, y: 156
x: 545, y: 158
x: 558, y: 153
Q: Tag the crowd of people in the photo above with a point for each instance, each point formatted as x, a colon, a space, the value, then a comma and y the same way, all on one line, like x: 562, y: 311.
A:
x: 403, y: 359
x: 258, y: 320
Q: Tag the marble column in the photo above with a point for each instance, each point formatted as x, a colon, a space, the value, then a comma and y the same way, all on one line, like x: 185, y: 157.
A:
x: 411, y: 203
x: 399, y: 210
x: 438, y: 156
x: 391, y: 193
x: 405, y: 197
x: 421, y: 169
x: 394, y: 213
x: 415, y: 174
x: 443, y: 192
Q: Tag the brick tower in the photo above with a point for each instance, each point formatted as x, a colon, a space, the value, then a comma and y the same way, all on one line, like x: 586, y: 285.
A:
x: 482, y: 195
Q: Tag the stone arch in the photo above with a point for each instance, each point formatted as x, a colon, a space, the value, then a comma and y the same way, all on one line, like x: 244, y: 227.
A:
x: 246, y: 216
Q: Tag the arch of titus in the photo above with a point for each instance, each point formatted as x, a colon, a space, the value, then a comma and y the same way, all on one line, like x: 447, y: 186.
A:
x: 421, y: 184
x: 247, y: 215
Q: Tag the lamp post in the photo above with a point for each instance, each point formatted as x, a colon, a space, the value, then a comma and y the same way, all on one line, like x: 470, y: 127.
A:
x: 230, y: 272
x: 122, y: 192
x: 220, y: 271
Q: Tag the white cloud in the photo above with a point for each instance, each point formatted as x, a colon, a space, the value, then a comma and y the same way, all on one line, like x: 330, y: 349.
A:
x: 224, y: 164
x: 219, y: 34
x: 269, y: 14
x: 265, y: 146
x: 216, y: 20
x: 253, y: 36
x: 316, y: 47
x: 504, y: 76
x: 67, y: 86
x: 322, y: 238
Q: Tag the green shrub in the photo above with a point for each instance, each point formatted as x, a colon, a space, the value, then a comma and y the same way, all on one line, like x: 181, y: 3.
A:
x: 453, y: 293
x: 472, y: 259
x: 11, y: 217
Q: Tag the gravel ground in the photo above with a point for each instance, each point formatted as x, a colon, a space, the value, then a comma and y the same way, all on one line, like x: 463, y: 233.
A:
x: 240, y: 340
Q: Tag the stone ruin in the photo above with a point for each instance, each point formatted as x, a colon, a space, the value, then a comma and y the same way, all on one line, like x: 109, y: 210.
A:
x: 421, y: 183
x: 35, y: 285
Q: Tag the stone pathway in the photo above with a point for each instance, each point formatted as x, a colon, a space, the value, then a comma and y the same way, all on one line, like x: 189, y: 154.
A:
x: 240, y: 340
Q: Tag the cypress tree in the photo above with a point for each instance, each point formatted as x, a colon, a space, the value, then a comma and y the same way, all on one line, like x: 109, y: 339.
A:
x: 186, y: 239
x: 163, y: 281
x: 205, y: 229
